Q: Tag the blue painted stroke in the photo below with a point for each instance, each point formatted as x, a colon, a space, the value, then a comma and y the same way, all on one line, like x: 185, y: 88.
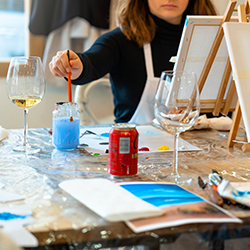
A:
x: 104, y: 134
x: 9, y: 216
x: 151, y: 133
x: 161, y: 195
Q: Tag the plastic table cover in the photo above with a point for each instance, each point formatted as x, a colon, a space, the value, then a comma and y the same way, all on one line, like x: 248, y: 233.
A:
x: 61, y: 222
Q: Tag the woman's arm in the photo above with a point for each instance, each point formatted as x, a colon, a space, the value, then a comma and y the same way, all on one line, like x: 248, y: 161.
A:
x: 94, y: 63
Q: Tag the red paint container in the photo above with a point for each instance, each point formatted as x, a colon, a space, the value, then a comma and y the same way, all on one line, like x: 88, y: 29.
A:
x: 123, y: 150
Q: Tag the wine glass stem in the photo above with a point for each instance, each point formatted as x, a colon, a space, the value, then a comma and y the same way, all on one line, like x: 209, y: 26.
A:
x: 175, y: 156
x: 25, y: 131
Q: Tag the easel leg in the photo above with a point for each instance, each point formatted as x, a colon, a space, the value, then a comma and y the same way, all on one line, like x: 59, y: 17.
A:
x: 235, y: 125
x: 222, y: 89
x: 229, y: 98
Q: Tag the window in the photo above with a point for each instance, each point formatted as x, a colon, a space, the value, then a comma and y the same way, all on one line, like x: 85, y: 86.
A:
x: 15, y: 38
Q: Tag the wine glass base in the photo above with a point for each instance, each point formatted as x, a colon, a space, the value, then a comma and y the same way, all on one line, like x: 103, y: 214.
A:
x: 180, y: 180
x: 27, y: 149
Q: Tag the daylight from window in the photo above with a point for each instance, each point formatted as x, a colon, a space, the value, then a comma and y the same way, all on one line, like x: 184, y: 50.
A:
x: 12, y: 33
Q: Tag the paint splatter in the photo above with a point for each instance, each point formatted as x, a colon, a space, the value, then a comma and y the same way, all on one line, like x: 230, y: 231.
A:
x: 8, y: 216
x: 104, y: 134
x: 151, y: 133
x: 144, y: 149
x: 163, y: 148
x: 183, y: 148
x: 96, y: 154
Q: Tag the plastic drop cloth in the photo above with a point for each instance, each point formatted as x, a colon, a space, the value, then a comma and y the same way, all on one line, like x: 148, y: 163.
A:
x: 61, y: 222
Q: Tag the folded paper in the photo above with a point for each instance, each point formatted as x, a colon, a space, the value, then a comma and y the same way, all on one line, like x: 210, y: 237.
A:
x: 109, y: 200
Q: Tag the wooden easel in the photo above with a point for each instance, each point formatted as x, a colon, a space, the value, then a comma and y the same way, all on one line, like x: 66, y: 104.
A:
x: 209, y: 62
x: 243, y: 13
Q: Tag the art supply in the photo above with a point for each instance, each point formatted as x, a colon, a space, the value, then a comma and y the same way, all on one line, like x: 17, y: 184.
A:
x: 69, y: 81
x: 110, y: 201
x: 214, y: 171
x: 164, y: 148
x: 144, y: 149
x: 212, y: 193
x: 123, y: 150
x: 104, y: 143
x: 152, y: 140
x: 227, y: 191
x: 89, y: 132
x: 66, y: 126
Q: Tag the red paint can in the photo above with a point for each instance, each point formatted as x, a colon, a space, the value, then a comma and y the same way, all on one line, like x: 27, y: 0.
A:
x: 123, y: 150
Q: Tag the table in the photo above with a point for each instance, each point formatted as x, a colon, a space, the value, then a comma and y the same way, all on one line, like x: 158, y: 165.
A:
x: 61, y: 222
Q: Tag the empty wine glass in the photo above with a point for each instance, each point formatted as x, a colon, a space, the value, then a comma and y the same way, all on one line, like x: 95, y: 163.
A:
x: 25, y: 85
x: 177, y: 107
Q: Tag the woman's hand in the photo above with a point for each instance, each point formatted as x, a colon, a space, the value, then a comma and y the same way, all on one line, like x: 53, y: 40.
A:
x: 60, y: 65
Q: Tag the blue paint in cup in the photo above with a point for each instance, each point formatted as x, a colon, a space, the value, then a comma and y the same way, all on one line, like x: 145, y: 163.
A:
x: 66, y: 133
x: 66, y: 126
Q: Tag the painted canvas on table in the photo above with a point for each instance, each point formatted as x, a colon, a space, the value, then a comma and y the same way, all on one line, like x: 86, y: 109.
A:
x: 179, y: 205
x: 149, y: 136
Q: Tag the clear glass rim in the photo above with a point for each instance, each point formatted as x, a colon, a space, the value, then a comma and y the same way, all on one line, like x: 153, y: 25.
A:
x: 66, y: 105
x: 31, y: 58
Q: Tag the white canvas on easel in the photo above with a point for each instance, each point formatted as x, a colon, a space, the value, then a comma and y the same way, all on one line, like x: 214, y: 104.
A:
x: 238, y: 42
x: 197, y: 38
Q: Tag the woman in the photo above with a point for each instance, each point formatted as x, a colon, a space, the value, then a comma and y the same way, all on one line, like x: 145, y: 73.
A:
x: 134, y: 54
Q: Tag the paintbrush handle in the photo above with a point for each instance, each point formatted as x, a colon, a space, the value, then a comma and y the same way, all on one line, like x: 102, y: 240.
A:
x: 213, y: 195
x: 69, y: 81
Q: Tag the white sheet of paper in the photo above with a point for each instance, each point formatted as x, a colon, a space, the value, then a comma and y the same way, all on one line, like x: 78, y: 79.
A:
x: 237, y: 37
x: 3, y: 133
x: 149, y: 136
x: 13, y: 219
x: 7, y: 196
x: 109, y: 200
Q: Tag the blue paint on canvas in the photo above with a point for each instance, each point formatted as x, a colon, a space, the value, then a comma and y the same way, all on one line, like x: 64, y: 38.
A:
x: 151, y: 133
x: 104, y: 134
x: 161, y: 195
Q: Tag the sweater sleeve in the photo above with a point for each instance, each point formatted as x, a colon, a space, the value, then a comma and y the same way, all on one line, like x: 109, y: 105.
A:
x: 100, y: 58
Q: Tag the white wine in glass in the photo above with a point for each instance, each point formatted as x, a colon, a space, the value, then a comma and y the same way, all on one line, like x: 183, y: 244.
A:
x: 25, y: 85
x: 177, y: 107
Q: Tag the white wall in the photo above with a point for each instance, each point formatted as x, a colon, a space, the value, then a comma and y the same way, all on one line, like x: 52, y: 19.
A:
x: 221, y: 5
x: 40, y: 116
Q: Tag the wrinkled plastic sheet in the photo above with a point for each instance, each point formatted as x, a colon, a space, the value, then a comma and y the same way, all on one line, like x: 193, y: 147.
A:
x: 37, y: 177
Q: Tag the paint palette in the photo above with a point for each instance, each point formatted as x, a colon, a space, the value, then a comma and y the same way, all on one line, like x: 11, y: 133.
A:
x: 149, y: 137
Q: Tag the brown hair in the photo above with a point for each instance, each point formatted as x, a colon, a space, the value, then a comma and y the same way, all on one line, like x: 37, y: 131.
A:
x: 136, y: 23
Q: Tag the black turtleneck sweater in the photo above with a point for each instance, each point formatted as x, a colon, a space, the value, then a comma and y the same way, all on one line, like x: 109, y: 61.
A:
x: 124, y: 60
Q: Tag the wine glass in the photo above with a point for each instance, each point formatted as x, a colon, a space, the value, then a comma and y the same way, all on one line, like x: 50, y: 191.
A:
x: 25, y: 85
x: 177, y: 107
